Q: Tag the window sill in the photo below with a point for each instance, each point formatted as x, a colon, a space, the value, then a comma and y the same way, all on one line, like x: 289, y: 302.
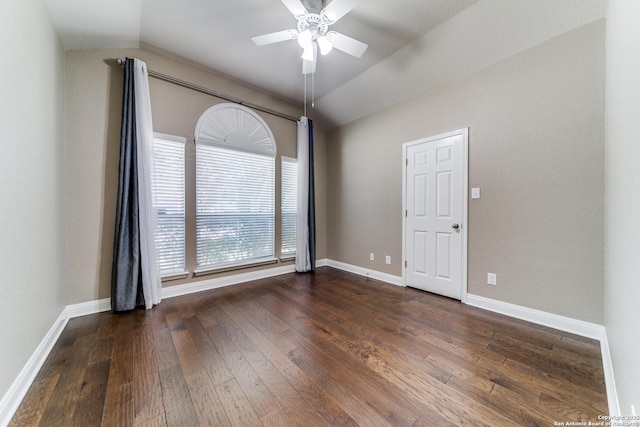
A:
x: 232, y: 267
x: 286, y: 258
x: 175, y: 276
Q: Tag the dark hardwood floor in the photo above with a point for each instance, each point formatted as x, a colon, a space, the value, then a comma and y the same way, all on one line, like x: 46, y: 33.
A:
x: 329, y: 348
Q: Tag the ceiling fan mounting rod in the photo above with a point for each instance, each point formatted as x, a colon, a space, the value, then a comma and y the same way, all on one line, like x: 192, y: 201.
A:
x: 313, y: 6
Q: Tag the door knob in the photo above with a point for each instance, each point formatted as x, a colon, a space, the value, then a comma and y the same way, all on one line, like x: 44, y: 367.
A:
x: 455, y: 226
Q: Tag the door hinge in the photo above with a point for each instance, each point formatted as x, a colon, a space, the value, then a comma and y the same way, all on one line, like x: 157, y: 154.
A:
x: 406, y: 162
x: 405, y: 263
x: 406, y: 213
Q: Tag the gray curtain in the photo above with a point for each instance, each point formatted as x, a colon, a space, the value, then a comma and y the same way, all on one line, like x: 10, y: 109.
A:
x: 311, y: 221
x: 126, y: 272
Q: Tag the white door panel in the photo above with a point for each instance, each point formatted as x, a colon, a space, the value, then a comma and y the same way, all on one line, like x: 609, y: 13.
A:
x: 435, y: 192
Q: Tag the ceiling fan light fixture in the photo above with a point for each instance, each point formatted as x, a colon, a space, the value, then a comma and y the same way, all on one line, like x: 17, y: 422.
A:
x: 305, y: 38
x: 308, y: 55
x: 324, y: 44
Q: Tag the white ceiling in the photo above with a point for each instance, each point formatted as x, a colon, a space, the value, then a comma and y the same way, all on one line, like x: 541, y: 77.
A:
x: 414, y: 45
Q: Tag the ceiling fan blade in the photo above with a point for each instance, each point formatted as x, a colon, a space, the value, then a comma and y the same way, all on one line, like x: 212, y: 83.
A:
x: 309, y: 67
x: 276, y: 37
x: 337, y: 9
x: 347, y: 44
x: 296, y: 8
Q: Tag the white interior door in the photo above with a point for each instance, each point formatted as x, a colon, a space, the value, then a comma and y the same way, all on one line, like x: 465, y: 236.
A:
x: 435, y: 214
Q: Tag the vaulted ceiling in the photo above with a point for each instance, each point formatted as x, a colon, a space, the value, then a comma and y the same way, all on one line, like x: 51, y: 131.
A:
x: 414, y: 45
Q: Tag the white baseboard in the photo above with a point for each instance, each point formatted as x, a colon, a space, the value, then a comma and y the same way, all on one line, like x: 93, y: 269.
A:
x: 322, y: 262
x: 219, y: 282
x: 383, y: 277
x: 89, y: 307
x: 20, y: 386
x: 609, y: 379
x: 566, y: 324
x: 562, y: 323
x: 98, y: 306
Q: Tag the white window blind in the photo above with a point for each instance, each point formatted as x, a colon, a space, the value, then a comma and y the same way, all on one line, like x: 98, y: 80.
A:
x: 289, y: 178
x: 169, y: 188
x: 235, y: 207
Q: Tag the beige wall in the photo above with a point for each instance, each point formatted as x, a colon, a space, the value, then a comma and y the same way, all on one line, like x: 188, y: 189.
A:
x: 536, y: 134
x: 93, y: 105
x: 622, y: 202
x: 31, y: 183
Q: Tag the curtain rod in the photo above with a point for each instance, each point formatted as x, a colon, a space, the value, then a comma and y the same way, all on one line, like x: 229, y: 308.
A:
x: 215, y: 93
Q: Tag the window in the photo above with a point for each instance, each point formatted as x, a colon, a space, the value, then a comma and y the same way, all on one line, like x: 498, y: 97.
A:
x: 234, y: 206
x: 169, y: 189
x: 289, y: 180
x: 235, y: 188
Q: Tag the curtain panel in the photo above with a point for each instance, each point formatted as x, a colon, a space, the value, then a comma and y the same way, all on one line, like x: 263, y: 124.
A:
x: 305, y: 213
x: 135, y: 278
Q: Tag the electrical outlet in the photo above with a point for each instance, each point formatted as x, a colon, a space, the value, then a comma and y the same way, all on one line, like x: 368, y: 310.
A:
x: 492, y: 279
x: 387, y: 259
x: 372, y: 257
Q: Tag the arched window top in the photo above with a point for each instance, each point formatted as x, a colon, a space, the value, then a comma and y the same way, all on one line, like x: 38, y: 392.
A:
x: 237, y: 127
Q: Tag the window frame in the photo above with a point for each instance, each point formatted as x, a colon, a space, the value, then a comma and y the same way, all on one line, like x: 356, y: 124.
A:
x: 239, y: 129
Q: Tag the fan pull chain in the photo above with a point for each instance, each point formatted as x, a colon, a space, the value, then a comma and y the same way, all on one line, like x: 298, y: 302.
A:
x: 313, y: 90
x: 305, y: 94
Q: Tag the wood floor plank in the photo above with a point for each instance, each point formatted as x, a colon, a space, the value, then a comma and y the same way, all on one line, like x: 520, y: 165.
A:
x: 329, y: 348
x: 236, y: 405
x: 216, y: 367
x: 186, y: 351
x: 358, y: 409
x: 276, y: 355
x: 262, y: 318
x: 108, y: 325
x: 366, y: 385
x: 326, y: 407
x: 102, y: 350
x: 404, y: 349
x: 158, y: 421
x: 82, y: 326
x: 204, y: 313
x: 63, y: 400
x: 35, y: 402
x: 56, y: 362
x: 90, y: 405
x: 520, y: 415
x: 575, y: 370
x: 424, y: 386
x: 513, y: 374
x: 208, y: 406
x: 147, y: 391
x: 179, y: 408
x: 251, y: 384
x: 571, y: 412
x: 118, y: 407
x: 521, y: 408
x: 166, y: 356
x: 290, y: 403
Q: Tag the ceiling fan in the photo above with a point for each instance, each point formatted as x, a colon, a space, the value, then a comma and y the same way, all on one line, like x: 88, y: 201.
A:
x: 313, y: 32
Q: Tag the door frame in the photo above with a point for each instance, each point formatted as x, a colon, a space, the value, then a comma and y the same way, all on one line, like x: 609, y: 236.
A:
x: 464, y: 132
